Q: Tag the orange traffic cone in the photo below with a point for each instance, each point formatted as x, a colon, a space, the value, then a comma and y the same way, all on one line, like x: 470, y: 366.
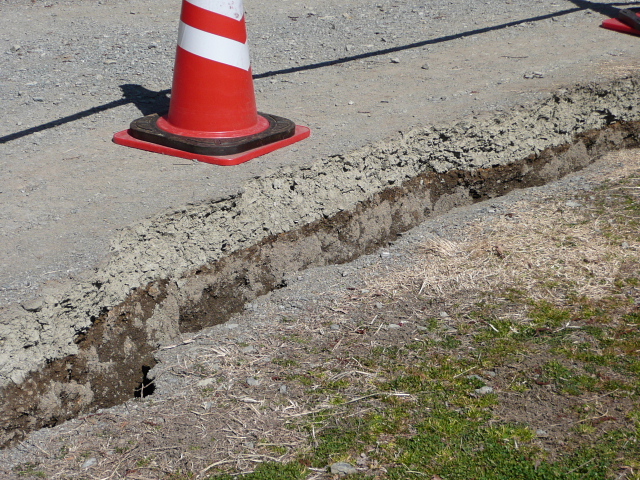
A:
x: 212, y: 114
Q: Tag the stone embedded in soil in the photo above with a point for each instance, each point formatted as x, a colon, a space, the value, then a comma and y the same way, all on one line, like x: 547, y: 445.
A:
x: 484, y: 390
x: 343, y: 468
x: 33, y: 305
x: 206, y: 382
x: 253, y: 382
x: 90, y: 463
x: 533, y: 75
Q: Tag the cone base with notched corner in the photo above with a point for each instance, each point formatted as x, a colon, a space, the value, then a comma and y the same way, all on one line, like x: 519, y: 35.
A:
x: 627, y: 21
x: 617, y: 26
x: 145, y: 134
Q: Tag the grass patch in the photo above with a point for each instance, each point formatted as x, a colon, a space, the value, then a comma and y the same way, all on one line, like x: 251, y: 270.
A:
x: 445, y: 405
x: 268, y: 471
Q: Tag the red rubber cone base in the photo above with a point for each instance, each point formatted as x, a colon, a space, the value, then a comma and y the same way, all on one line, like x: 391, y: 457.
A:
x: 144, y: 134
x: 617, y: 26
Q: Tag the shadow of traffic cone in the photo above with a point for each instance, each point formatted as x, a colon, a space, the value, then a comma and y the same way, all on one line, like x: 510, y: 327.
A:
x: 212, y: 113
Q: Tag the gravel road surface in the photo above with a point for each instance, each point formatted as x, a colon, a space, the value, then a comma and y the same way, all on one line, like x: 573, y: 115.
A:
x: 75, y: 72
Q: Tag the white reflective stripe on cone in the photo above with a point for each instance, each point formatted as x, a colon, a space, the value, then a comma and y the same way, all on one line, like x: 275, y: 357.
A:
x: 214, y: 47
x: 228, y: 8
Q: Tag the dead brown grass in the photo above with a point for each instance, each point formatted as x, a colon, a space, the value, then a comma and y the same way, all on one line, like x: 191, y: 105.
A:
x: 531, y: 247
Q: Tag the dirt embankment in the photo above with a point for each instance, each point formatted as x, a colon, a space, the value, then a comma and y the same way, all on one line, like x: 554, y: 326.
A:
x: 90, y: 344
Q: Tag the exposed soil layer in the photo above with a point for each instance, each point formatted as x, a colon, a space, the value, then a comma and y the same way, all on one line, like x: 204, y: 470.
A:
x: 115, y: 353
x: 174, y: 244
